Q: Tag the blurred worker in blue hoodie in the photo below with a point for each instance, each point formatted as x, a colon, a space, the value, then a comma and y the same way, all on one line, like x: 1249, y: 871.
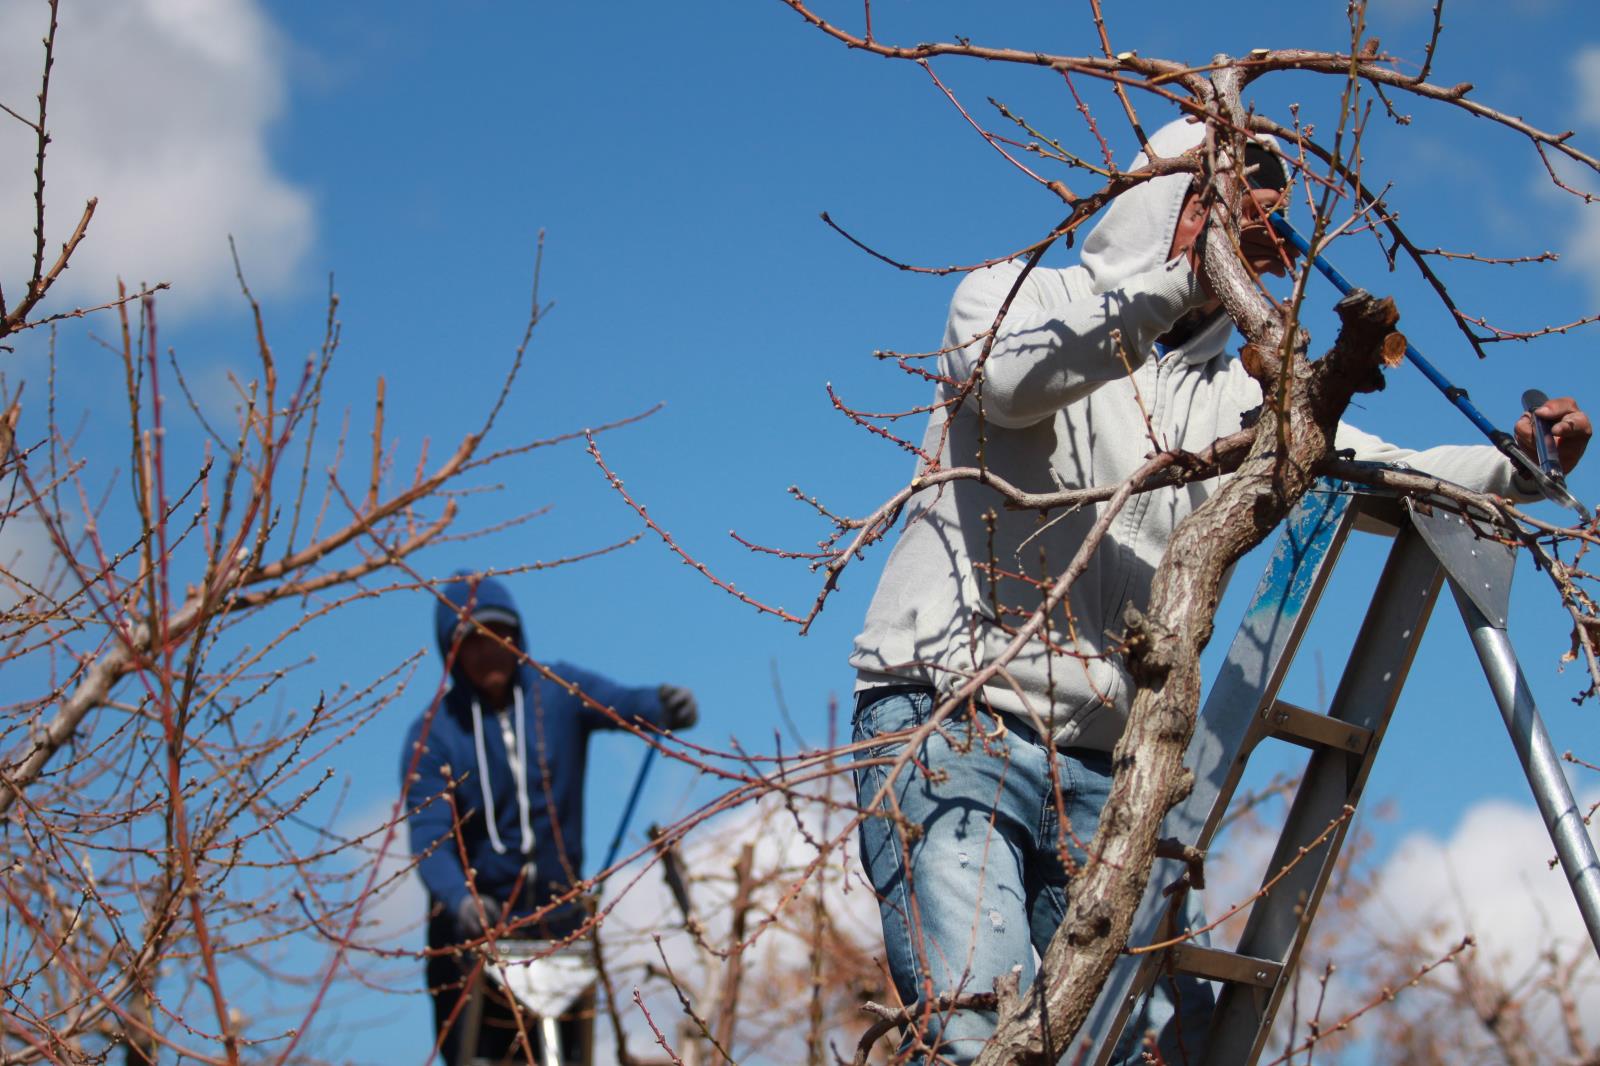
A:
x: 495, y: 770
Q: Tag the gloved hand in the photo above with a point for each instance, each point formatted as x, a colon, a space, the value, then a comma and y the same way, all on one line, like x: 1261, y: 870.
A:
x: 678, y: 707
x: 471, y: 923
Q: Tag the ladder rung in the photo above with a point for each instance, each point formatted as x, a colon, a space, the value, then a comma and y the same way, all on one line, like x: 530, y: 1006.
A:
x: 1214, y: 964
x: 1311, y: 730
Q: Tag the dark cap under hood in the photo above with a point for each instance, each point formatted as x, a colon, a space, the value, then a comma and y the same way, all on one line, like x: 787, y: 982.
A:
x: 482, y: 598
x: 1135, y: 234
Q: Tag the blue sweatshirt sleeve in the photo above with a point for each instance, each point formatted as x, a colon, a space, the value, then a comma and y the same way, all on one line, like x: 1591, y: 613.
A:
x: 642, y: 704
x: 428, y: 816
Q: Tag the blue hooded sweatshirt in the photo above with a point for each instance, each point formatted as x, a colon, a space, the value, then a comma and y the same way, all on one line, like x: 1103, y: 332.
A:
x: 505, y: 827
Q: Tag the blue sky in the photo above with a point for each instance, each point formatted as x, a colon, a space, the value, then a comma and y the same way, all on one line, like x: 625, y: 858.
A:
x: 677, y: 157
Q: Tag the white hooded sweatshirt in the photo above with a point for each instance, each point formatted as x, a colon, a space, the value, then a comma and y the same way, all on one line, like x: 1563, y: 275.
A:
x: 1061, y: 411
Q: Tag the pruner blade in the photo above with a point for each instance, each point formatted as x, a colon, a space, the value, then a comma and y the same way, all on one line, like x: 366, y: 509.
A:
x: 1546, y: 472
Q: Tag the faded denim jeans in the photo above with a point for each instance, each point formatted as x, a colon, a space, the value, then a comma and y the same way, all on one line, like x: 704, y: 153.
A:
x: 981, y: 886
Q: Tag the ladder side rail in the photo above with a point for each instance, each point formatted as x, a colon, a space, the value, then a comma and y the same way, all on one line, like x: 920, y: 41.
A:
x: 550, y: 1049
x: 1285, y: 598
x: 1374, y: 675
x: 471, y: 1020
x: 1551, y: 790
x: 1250, y: 678
x: 1481, y: 571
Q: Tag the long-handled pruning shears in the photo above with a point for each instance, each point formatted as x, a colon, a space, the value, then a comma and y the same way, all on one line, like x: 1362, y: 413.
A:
x: 1532, y: 400
x: 628, y: 808
x: 1544, y: 472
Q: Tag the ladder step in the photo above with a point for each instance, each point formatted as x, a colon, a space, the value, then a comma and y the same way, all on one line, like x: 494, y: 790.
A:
x: 1214, y: 964
x: 1311, y: 730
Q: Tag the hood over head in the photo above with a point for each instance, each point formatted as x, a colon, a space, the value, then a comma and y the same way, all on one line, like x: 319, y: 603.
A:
x: 1135, y: 234
x: 484, y: 599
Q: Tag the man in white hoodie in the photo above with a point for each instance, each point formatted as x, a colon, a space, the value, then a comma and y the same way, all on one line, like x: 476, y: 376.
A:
x: 972, y: 854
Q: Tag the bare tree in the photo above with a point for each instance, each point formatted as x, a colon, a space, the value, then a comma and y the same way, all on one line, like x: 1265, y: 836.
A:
x: 1268, y: 465
x: 154, y: 777
x: 157, y: 775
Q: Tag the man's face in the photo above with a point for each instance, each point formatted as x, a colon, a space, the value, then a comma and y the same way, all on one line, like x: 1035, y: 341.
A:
x: 1256, y: 239
x: 487, y: 664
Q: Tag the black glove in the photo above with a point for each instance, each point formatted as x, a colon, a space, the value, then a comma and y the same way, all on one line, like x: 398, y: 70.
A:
x: 678, y: 708
x: 472, y: 923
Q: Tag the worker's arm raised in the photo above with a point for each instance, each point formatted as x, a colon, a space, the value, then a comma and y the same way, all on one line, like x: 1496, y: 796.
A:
x: 1059, y: 340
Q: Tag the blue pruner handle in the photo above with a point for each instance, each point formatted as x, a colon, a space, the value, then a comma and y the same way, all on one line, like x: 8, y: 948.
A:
x: 1455, y: 395
x: 629, y: 807
x: 1545, y: 473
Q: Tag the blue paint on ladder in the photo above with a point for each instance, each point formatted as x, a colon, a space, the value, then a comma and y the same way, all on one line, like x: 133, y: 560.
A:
x: 1307, y: 536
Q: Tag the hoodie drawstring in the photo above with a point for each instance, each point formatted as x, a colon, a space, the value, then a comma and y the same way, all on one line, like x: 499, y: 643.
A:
x: 519, y: 774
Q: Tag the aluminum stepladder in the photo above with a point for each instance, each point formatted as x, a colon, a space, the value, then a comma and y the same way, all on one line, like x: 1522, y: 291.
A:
x: 548, y: 985
x: 1242, y: 709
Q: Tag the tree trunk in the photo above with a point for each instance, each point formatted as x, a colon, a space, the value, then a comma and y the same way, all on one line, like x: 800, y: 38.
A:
x: 1164, y: 659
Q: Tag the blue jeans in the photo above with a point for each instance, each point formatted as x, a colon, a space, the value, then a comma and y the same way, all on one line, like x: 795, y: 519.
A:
x: 966, y: 856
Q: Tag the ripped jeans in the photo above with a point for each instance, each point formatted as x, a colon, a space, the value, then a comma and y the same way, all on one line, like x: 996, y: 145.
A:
x: 982, y: 887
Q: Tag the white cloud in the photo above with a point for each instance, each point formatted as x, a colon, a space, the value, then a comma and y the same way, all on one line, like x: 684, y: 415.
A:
x: 1579, y: 241
x: 161, y: 108
x: 1586, y: 69
x: 1491, y: 878
x: 1488, y: 878
x: 1582, y: 238
x: 392, y: 917
x: 30, y: 566
x: 775, y: 990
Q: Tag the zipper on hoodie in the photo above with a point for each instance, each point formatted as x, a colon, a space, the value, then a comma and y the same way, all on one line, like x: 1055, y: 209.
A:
x: 1133, y: 517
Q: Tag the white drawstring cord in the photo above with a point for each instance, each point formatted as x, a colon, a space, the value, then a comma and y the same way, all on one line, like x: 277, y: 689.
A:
x: 519, y: 776
x: 519, y: 771
x: 483, y: 778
